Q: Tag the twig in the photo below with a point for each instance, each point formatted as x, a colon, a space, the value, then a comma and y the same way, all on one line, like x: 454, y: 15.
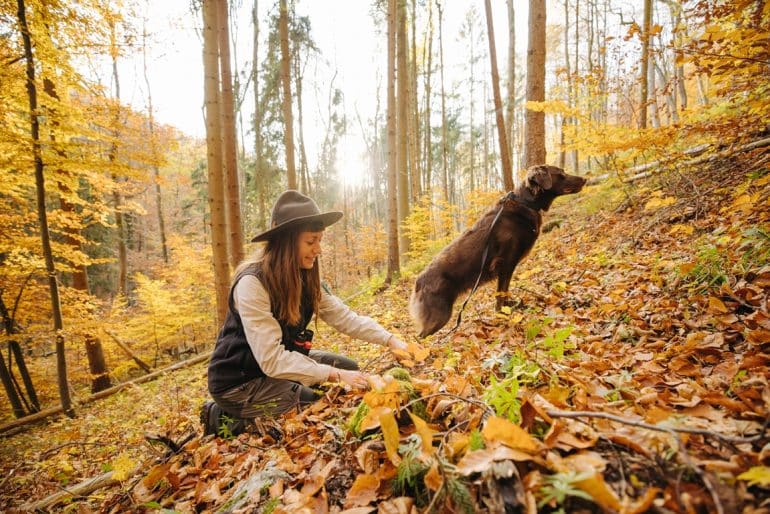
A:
x: 642, y: 424
x: 487, y: 409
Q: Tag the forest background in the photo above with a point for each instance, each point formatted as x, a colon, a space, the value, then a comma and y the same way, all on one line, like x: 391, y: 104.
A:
x: 119, y: 232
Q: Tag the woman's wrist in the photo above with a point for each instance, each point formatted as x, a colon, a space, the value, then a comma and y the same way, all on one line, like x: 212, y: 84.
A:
x: 334, y: 375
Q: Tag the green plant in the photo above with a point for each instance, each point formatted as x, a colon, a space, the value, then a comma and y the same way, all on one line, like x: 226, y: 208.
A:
x: 475, y: 440
x: 502, y: 395
x: 755, y: 248
x: 270, y: 505
x: 708, y: 271
x: 557, y: 488
x: 410, y: 473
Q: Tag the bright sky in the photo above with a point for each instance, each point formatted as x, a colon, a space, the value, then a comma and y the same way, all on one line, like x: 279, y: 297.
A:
x: 349, y: 42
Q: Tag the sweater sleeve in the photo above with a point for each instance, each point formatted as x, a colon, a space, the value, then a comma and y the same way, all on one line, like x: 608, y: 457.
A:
x: 342, y: 318
x: 263, y: 333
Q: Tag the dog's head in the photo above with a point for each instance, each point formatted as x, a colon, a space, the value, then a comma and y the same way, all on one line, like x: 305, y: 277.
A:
x: 544, y: 183
x: 430, y: 312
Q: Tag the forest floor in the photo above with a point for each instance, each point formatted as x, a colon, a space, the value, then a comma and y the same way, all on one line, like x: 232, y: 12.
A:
x: 634, y: 365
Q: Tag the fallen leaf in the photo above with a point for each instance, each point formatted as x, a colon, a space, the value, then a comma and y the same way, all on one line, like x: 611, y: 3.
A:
x: 391, y: 436
x: 433, y: 478
x: 500, y: 430
x: 480, y: 460
x: 425, y: 433
x: 758, y: 475
x: 363, y: 491
x: 600, y: 491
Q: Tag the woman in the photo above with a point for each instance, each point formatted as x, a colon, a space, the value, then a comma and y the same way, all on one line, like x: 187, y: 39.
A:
x: 263, y: 364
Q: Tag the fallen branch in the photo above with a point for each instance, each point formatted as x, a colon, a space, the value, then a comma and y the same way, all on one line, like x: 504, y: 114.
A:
x: 123, y: 346
x: 658, y: 428
x: 646, y: 170
x: 84, y: 488
x: 101, y: 394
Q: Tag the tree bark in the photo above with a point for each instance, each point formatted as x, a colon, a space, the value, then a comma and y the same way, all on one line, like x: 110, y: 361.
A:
x: 117, y: 199
x: 45, y: 238
x: 230, y: 148
x: 393, y: 251
x: 501, y: 132
x: 534, y: 142
x: 216, y: 196
x: 155, y: 156
x: 414, y: 114
x: 259, y: 182
x: 402, y: 76
x: 444, y: 160
x: 288, y: 121
x: 510, y: 117
x: 644, y: 75
x: 428, y: 70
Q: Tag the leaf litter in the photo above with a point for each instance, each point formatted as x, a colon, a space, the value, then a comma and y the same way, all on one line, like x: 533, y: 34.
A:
x: 628, y: 373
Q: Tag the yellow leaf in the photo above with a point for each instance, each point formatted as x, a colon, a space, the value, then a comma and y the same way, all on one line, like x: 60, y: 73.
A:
x: 758, y: 475
x: 717, y: 305
x: 122, y: 467
x: 391, y: 436
x: 600, y: 492
x: 657, y: 203
x: 419, y: 353
x: 501, y: 430
x: 372, y: 418
x: 388, y: 396
x: 681, y: 229
x: 425, y: 433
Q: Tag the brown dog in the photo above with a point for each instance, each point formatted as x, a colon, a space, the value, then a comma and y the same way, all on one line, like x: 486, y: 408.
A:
x: 456, y: 268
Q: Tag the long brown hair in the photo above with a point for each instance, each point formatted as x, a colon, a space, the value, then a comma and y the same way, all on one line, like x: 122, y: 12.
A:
x: 283, y: 277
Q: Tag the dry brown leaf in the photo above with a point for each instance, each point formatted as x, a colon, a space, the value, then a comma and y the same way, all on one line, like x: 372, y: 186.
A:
x: 433, y: 478
x: 363, y: 491
x: 600, y: 491
x: 480, y: 460
x: 372, y: 418
x: 368, y: 455
x: 400, y: 505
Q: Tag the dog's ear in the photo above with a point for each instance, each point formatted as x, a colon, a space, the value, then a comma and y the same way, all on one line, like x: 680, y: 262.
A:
x: 539, y: 177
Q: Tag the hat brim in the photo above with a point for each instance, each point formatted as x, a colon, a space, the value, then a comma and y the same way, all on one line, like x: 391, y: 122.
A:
x: 326, y: 219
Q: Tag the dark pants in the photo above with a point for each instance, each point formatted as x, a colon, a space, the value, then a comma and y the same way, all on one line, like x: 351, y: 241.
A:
x: 271, y: 397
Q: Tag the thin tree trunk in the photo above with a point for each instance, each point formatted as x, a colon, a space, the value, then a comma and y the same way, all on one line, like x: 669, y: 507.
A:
x: 445, y: 170
x: 230, y: 148
x: 505, y: 157
x: 216, y: 195
x: 414, y: 114
x: 288, y: 121
x: 644, y: 75
x: 428, y: 132
x: 510, y: 117
x: 534, y: 143
x: 259, y: 182
x: 402, y: 74
x: 155, y: 156
x: 565, y: 120
x: 303, y: 165
x: 45, y: 239
x: 120, y: 225
x: 393, y: 252
x: 10, y: 390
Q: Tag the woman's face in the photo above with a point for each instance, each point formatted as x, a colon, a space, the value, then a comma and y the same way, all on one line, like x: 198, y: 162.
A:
x: 309, y: 248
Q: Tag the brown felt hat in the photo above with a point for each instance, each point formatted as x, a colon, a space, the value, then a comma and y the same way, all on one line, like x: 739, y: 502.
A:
x: 293, y: 208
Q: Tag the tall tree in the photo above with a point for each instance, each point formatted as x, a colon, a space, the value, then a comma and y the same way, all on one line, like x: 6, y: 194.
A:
x: 444, y: 143
x: 260, y: 183
x: 402, y: 75
x: 230, y: 148
x: 394, y: 265
x: 501, y: 132
x: 644, y: 78
x: 534, y: 123
x: 288, y: 121
x: 510, y: 107
x: 427, y: 77
x: 45, y: 238
x: 216, y: 195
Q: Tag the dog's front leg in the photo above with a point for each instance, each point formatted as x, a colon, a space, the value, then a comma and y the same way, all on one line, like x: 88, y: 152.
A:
x: 503, y: 281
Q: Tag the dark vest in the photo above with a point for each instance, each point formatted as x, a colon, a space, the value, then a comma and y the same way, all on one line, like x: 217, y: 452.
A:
x: 233, y: 362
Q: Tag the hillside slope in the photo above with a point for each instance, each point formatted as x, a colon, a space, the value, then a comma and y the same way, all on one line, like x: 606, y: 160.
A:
x: 629, y: 375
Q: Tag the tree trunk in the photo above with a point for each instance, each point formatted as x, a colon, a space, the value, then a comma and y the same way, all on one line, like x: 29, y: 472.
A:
x: 58, y: 323
x: 644, y: 75
x: 117, y: 199
x: 303, y: 165
x: 10, y: 389
x: 534, y: 123
x: 502, y: 137
x: 230, y: 148
x: 428, y: 71
x: 216, y: 196
x: 288, y: 121
x: 155, y: 156
x: 259, y: 182
x: 445, y: 170
x: 510, y: 117
x: 414, y: 114
x: 402, y: 75
x: 393, y: 252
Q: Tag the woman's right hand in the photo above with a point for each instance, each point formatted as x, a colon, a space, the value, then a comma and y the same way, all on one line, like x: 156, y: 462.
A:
x: 353, y: 378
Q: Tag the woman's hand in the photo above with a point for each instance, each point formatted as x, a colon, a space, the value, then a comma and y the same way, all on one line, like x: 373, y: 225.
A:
x: 355, y: 379
x: 395, y: 343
